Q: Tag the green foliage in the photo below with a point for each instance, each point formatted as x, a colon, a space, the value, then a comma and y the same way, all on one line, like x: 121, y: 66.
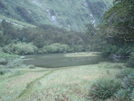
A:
x: 123, y: 73
x: 108, y: 50
x: 31, y: 66
x: 9, y: 60
x: 6, y: 55
x: 97, y: 8
x: 56, y: 48
x: 2, y: 5
x: 104, y: 88
x: 3, y: 71
x: 128, y: 81
x: 132, y: 95
x: 118, y: 89
x: 24, y: 13
x: 126, y: 93
x: 117, y: 30
x: 122, y: 95
x: 94, y: 38
x: 21, y: 48
x: 130, y: 62
x: 42, y: 36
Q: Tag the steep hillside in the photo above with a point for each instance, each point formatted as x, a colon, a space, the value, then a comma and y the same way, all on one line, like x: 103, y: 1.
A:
x: 71, y: 14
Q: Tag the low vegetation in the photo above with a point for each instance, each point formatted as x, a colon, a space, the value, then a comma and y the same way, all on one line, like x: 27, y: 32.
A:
x: 21, y: 49
x: 119, y: 88
x: 66, y: 83
x: 104, y: 89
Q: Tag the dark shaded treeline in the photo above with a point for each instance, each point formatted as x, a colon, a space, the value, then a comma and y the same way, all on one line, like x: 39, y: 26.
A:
x: 116, y: 34
x: 42, y: 35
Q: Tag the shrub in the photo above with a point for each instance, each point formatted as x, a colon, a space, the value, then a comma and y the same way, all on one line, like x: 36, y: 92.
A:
x: 31, y: 66
x: 122, y: 95
x: 104, y: 88
x: 132, y: 95
x: 128, y: 81
x: 130, y: 62
x: 78, y: 48
x: 108, y: 50
x: 56, y: 48
x: 123, y: 73
x: 126, y: 93
x: 17, y: 62
x: 3, y: 71
x: 21, y: 48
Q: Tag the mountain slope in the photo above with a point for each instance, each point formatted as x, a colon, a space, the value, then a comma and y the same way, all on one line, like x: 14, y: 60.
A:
x: 71, y: 14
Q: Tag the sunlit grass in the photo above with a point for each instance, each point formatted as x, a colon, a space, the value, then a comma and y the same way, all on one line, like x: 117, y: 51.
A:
x: 12, y: 85
x: 82, y: 54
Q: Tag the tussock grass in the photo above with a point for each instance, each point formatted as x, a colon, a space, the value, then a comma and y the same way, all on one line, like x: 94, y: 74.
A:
x: 60, y: 84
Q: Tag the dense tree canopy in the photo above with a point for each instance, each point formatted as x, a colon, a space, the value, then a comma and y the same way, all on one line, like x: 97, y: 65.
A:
x: 44, y: 37
x: 120, y: 20
x: 116, y: 34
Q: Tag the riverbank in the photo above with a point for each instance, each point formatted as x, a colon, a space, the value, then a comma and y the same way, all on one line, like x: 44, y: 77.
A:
x: 45, y: 84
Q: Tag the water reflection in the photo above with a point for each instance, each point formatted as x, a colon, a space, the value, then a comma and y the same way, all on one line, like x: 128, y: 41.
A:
x: 61, y: 60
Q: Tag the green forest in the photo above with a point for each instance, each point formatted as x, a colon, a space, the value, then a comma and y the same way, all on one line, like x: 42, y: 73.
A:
x: 112, y: 38
x: 40, y: 39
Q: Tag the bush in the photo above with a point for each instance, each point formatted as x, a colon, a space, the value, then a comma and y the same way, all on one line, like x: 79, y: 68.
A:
x: 130, y: 62
x: 109, y: 50
x: 123, y: 73
x: 128, y: 81
x: 21, y: 48
x: 122, y: 95
x: 31, y: 66
x: 56, y: 48
x: 3, y: 71
x: 78, y: 48
x: 126, y: 93
x: 104, y: 88
x: 132, y: 95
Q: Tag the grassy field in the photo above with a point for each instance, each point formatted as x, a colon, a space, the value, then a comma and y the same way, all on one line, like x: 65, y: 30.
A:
x: 57, y: 84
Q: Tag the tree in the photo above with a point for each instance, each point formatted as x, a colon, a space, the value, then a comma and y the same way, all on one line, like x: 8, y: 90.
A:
x: 120, y: 20
x: 119, y: 27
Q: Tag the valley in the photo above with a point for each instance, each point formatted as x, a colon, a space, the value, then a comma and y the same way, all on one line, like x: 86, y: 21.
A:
x: 54, y: 84
x: 72, y: 15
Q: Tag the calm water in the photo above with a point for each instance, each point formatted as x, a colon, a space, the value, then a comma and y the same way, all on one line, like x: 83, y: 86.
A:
x: 60, y: 60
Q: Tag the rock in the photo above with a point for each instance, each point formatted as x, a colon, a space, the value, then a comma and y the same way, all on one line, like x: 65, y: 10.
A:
x: 3, y: 61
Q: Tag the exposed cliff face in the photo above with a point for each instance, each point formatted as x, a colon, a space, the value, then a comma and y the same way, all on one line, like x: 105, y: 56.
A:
x: 71, y: 14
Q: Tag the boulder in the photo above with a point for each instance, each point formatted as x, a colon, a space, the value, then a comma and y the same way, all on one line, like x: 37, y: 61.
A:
x: 3, y: 61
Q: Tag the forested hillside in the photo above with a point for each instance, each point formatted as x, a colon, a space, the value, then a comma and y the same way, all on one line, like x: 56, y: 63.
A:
x: 70, y: 14
x: 40, y: 39
x: 114, y: 37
